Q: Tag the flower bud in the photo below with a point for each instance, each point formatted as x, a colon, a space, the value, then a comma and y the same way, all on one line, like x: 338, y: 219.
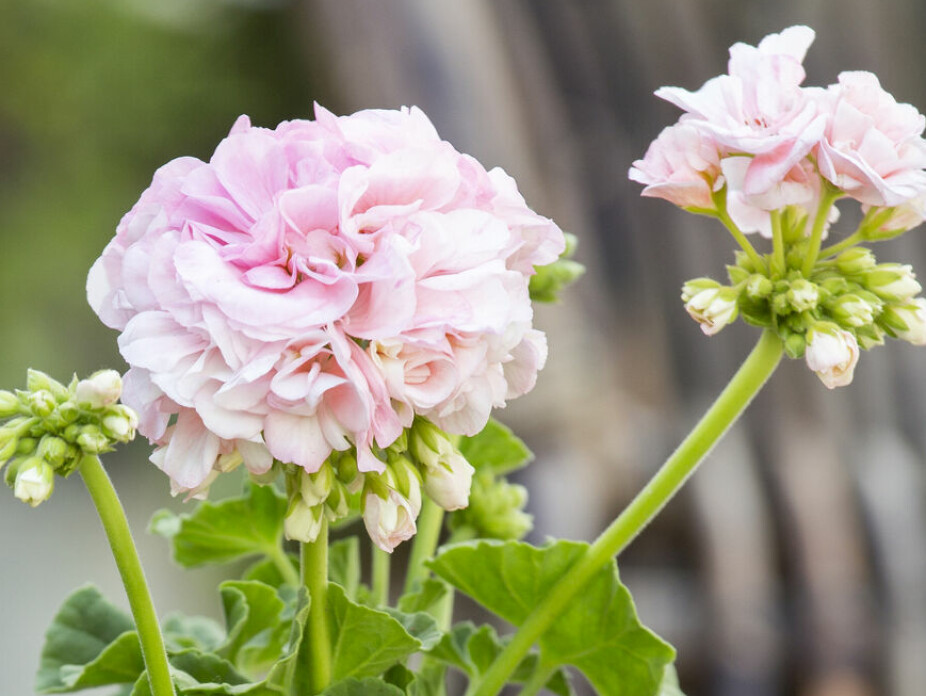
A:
x: 39, y: 381
x: 35, y: 481
x: 794, y: 345
x: 337, y: 504
x: 9, y: 404
x: 389, y: 521
x: 832, y: 353
x: 855, y: 260
x: 851, y: 311
x: 712, y: 308
x: 99, y: 390
x: 303, y: 522
x: 119, y: 423
x: 53, y: 450
x: 893, y: 282
x: 908, y: 321
x: 347, y: 469
x: 869, y: 336
x: 92, y: 441
x: 449, y: 485
x: 316, y: 487
x: 802, y: 295
x: 42, y: 403
x: 758, y: 287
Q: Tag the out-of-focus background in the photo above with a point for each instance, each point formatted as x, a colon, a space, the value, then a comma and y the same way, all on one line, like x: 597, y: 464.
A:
x: 794, y: 563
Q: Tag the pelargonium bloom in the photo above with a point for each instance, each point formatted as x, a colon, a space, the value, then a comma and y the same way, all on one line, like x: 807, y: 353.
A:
x: 759, y: 107
x: 873, y: 150
x: 314, y: 287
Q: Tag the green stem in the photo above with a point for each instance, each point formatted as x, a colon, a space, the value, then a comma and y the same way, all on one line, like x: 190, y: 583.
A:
x: 732, y: 401
x: 538, y: 679
x: 315, y: 653
x: 381, y: 576
x: 846, y: 243
x: 430, y: 523
x: 740, y: 238
x: 778, y: 243
x: 112, y: 515
x: 816, y: 235
x: 280, y: 559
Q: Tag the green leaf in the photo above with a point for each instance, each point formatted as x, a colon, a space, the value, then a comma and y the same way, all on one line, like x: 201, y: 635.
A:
x: 365, y: 641
x: 182, y: 632
x: 495, y: 449
x: 670, y: 686
x: 599, y: 633
x: 453, y: 650
x: 195, y: 673
x: 418, y: 625
x: 256, y: 631
x: 90, y: 643
x: 344, y: 564
x: 267, y: 572
x: 427, y: 598
x: 400, y: 676
x: 278, y: 672
x: 364, y: 687
x: 224, y: 531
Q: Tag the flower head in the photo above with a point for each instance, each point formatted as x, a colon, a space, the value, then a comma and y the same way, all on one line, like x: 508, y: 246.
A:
x: 312, y: 288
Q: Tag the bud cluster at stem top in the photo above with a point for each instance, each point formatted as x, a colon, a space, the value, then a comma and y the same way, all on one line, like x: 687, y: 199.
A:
x: 423, y: 460
x: 50, y: 428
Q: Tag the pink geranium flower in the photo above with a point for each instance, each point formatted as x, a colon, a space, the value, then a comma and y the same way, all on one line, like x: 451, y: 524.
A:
x: 314, y: 287
x: 873, y: 149
x: 759, y: 107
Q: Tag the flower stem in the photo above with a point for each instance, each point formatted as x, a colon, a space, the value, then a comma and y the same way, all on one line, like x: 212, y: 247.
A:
x: 315, y: 653
x: 778, y: 244
x: 280, y: 559
x: 112, y: 515
x: 744, y: 243
x: 430, y: 523
x: 746, y: 383
x: 538, y: 679
x: 816, y: 235
x: 846, y: 243
x: 381, y: 576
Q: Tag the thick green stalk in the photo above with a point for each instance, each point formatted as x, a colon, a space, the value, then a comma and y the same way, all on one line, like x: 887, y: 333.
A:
x: 732, y: 401
x: 313, y: 673
x: 382, y: 570
x: 430, y: 523
x: 112, y: 515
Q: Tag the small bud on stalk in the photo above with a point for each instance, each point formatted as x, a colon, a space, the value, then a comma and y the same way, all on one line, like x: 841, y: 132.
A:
x: 35, y: 481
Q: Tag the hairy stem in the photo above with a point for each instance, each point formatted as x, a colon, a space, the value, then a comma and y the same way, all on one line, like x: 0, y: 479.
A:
x: 313, y: 673
x: 381, y: 576
x: 112, y: 515
x: 732, y: 401
x: 430, y: 523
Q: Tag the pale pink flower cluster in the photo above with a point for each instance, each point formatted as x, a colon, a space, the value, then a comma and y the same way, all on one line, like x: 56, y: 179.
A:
x: 758, y: 136
x: 314, y: 287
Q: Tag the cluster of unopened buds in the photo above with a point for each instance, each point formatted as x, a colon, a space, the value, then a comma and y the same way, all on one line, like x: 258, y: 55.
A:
x: 423, y: 459
x: 51, y: 428
x: 761, y: 153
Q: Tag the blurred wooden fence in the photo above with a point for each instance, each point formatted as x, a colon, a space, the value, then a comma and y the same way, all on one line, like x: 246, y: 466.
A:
x: 795, y: 562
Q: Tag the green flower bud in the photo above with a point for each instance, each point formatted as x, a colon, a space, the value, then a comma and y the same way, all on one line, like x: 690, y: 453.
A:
x: 835, y: 285
x: 42, y: 403
x: 10, y: 404
x: 39, y: 381
x: 92, y: 441
x: 347, y: 470
x: 738, y: 275
x: 855, y: 261
x: 907, y: 321
x: 303, y: 522
x: 758, y: 287
x: 315, y: 488
x: 119, y: 423
x: 71, y: 432
x: 495, y: 510
x: 893, y: 282
x: 68, y: 412
x: 26, y: 446
x: 851, y: 311
x: 337, y: 504
x: 53, y: 450
x: 795, y: 344
x: 869, y: 336
x: 8, y: 445
x: 35, y: 481
x: 803, y: 295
